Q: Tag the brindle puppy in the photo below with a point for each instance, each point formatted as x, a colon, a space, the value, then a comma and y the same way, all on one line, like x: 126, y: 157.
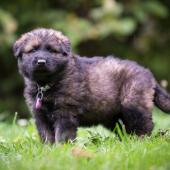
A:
x: 66, y: 91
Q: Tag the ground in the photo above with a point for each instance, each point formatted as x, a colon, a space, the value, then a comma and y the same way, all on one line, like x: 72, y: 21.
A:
x: 95, y: 149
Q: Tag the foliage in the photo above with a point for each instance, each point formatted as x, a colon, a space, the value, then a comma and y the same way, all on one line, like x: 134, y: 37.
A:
x: 134, y: 29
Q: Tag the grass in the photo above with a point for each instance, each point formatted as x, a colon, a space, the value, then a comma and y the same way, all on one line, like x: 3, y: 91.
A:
x: 95, y: 149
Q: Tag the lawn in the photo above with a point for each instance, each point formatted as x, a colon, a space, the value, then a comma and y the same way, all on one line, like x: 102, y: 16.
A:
x: 95, y: 149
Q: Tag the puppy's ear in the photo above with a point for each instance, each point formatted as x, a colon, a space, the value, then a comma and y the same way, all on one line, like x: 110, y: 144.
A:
x: 19, y: 45
x: 17, y: 48
x: 66, y: 47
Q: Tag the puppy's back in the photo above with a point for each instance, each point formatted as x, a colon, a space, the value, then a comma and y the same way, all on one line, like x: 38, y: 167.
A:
x: 107, y: 77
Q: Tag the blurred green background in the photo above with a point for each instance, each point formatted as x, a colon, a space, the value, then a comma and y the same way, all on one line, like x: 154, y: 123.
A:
x: 133, y: 29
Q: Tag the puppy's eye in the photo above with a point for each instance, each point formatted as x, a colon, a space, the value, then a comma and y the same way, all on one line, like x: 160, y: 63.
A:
x: 52, y: 50
x: 65, y: 54
x: 32, y: 50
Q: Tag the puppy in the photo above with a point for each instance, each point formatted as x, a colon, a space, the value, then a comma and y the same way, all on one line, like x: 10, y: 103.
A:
x: 65, y: 91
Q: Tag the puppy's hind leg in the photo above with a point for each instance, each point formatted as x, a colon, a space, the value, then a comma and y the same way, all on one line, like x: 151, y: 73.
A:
x: 136, y: 107
x: 136, y: 121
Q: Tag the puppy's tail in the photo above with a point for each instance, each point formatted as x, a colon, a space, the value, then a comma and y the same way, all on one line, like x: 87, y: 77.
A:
x: 162, y: 99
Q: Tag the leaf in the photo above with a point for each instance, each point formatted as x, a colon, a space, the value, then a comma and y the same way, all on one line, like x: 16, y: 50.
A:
x: 80, y: 152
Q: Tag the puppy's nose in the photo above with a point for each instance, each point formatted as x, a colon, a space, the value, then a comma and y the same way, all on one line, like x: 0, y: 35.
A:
x: 41, y: 62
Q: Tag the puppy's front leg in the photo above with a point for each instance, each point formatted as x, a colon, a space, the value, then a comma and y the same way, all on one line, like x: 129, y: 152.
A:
x: 65, y: 129
x: 45, y: 131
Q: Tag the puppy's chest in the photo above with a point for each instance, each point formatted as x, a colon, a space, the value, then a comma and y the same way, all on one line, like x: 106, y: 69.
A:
x: 57, y: 101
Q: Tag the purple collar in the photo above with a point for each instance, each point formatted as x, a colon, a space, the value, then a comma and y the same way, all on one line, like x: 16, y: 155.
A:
x: 39, y: 97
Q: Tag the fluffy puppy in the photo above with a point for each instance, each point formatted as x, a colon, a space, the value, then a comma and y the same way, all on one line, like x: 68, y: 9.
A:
x: 65, y: 91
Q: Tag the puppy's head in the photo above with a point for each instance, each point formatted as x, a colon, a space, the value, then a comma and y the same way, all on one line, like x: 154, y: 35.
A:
x: 42, y: 54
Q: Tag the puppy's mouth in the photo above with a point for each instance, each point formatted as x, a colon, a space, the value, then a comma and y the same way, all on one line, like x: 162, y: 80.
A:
x: 41, y: 74
x: 40, y: 70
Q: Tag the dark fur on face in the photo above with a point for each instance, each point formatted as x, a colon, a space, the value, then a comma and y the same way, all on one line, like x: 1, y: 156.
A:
x: 83, y: 91
x: 53, y: 47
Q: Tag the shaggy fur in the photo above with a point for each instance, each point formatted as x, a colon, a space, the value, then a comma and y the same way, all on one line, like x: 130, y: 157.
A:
x: 83, y: 91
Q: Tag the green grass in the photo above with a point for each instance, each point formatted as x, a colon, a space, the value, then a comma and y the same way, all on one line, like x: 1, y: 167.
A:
x: 21, y: 149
